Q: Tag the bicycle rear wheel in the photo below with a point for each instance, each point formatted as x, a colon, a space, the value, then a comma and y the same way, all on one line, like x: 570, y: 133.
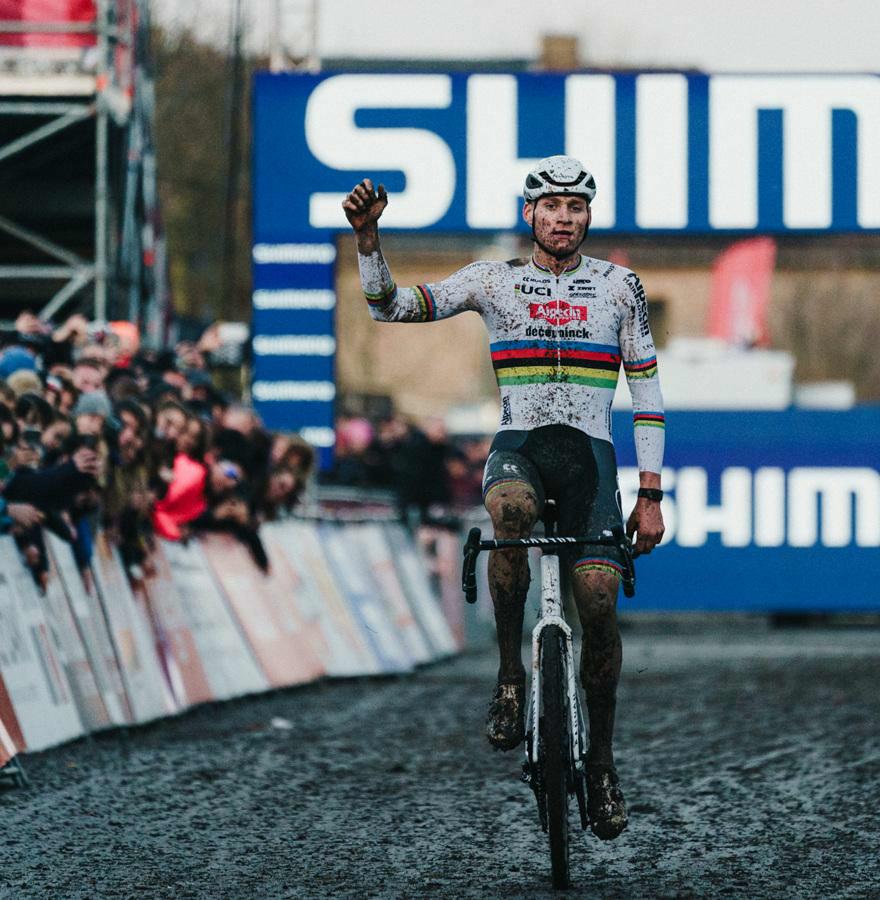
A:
x: 555, y: 741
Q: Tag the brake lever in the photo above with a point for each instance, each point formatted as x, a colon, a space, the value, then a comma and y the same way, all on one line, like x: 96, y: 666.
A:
x: 469, y: 567
x: 629, y: 554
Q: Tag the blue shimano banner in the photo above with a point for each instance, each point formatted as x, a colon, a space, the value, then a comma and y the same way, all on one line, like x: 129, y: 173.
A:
x: 671, y: 152
x: 768, y: 511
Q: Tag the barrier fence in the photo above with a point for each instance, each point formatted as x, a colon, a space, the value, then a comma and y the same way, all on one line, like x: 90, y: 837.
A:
x: 91, y: 652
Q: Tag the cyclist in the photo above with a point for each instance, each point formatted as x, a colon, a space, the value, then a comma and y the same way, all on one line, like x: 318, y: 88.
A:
x: 560, y: 324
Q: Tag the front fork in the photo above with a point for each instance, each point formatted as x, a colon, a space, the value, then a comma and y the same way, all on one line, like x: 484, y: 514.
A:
x: 551, y: 614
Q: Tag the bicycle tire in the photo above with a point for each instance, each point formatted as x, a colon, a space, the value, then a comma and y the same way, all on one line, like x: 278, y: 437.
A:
x: 555, y: 741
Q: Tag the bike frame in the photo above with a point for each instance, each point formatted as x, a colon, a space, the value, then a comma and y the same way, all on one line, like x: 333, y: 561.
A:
x: 552, y: 614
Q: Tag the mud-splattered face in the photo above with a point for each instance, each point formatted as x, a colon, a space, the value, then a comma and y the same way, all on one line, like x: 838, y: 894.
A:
x: 559, y: 223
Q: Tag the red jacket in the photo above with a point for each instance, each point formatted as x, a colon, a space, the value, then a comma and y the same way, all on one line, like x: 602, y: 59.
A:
x: 185, y: 499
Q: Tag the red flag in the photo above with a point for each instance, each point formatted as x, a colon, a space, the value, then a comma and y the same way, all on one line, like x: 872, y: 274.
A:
x: 741, y: 280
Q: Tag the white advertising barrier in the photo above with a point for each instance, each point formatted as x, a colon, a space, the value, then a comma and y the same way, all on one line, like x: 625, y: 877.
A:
x: 228, y: 660
x: 129, y: 624
x: 263, y: 605
x: 413, y: 573
x: 446, y: 559
x: 29, y: 661
x: 347, y: 651
x: 323, y: 639
x: 375, y: 556
x: 363, y: 596
x: 74, y: 657
x: 174, y: 639
x: 93, y: 631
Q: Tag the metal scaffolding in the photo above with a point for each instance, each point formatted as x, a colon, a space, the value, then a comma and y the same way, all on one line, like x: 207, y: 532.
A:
x: 78, y: 204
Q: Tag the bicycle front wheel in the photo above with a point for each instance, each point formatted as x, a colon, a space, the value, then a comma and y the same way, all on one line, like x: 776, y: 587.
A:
x: 556, y: 750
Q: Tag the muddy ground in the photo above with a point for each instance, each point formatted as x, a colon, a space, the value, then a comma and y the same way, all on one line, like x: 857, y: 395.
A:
x: 750, y: 758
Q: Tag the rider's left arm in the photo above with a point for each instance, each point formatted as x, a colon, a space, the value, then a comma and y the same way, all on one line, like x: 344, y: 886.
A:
x: 640, y: 366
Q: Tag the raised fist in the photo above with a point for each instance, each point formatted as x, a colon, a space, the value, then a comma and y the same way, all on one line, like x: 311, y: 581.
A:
x: 363, y: 205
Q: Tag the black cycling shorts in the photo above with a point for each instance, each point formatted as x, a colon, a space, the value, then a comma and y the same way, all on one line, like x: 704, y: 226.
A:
x: 578, y: 471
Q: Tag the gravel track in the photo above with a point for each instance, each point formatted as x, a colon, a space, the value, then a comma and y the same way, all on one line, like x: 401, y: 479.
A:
x: 750, y: 759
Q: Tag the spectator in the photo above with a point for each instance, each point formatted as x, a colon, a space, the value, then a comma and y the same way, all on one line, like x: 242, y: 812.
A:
x: 128, y: 500
x: 55, y: 436
x: 464, y: 489
x: 7, y: 396
x: 230, y: 506
x: 171, y: 420
x: 88, y: 375
x: 61, y: 392
x: 354, y: 435
x: 120, y: 384
x: 24, y: 381
x: 293, y: 453
x: 31, y: 410
x: 8, y: 440
x: 184, y: 499
x: 193, y: 440
x: 280, y: 492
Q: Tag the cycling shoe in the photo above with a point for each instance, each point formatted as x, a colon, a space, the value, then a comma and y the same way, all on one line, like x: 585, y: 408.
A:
x: 606, y: 807
x: 505, y: 723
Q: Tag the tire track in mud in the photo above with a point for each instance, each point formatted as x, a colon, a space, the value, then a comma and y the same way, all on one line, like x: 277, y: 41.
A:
x: 750, y: 759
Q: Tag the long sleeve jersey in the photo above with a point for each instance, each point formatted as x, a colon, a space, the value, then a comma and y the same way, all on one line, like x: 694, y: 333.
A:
x: 557, y: 341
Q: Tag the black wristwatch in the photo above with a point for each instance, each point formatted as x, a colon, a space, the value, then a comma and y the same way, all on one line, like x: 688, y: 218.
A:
x: 654, y: 494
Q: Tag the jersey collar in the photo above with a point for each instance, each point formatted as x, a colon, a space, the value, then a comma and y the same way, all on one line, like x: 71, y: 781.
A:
x: 569, y: 271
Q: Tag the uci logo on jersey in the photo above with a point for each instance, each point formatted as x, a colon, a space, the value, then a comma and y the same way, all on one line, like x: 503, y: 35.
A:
x: 558, y: 312
x: 532, y: 289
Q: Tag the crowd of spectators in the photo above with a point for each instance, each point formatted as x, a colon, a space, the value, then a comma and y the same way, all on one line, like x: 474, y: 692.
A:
x: 96, y: 432
x: 430, y: 473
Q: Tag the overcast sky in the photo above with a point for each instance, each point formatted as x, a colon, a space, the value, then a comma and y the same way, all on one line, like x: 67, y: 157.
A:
x: 713, y: 35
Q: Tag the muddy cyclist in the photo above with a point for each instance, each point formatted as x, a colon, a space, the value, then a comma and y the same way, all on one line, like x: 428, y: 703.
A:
x: 560, y: 326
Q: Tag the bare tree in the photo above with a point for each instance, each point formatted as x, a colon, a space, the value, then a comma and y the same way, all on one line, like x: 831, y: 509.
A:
x: 832, y: 326
x: 192, y: 134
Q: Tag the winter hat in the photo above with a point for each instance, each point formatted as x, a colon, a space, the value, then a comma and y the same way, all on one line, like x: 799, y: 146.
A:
x: 95, y: 403
x: 14, y: 359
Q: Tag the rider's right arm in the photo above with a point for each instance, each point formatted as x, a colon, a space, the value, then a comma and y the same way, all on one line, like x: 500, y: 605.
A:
x: 464, y: 290
x: 460, y: 292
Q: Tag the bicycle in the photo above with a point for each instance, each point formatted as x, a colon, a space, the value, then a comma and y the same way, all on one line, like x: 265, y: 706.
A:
x: 556, y: 736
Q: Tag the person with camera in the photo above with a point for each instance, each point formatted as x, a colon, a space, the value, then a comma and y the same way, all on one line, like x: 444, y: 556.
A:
x: 47, y: 497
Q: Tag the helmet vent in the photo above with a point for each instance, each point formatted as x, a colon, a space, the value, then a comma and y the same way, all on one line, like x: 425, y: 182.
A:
x: 551, y: 180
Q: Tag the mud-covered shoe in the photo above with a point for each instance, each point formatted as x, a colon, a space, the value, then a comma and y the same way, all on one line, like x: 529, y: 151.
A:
x: 505, y: 723
x: 606, y: 807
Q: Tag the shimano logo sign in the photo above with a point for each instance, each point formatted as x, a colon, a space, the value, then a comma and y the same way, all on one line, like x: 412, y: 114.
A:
x: 669, y: 151
x: 769, y: 507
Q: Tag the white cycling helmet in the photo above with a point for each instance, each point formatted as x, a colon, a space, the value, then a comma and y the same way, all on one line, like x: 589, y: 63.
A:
x: 559, y: 175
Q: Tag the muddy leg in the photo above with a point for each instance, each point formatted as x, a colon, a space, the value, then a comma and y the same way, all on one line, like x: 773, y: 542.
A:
x: 596, y: 596
x: 513, y: 509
